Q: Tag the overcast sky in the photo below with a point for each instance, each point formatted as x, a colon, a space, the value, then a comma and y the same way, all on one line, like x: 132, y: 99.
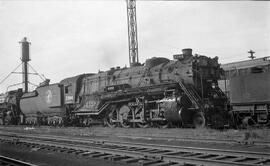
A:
x: 74, y: 37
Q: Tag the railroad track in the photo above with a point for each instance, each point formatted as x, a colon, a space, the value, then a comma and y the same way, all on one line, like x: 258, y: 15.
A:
x: 4, y: 160
x: 138, y: 153
x: 206, y: 140
x: 140, y: 145
x: 236, y: 141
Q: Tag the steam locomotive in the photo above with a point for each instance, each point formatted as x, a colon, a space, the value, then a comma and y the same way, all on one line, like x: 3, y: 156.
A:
x: 160, y: 92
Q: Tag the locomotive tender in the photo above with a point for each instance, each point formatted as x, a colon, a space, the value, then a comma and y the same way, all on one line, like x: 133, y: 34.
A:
x: 182, y: 92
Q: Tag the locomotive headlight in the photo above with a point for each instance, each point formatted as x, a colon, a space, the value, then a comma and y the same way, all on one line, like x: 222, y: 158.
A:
x: 214, y: 85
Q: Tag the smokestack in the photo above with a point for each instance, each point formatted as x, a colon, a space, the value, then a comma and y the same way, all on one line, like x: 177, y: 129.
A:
x: 187, y: 52
x: 25, y: 59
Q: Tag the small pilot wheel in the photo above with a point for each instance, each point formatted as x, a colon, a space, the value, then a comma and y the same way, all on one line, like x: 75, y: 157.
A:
x: 198, y: 120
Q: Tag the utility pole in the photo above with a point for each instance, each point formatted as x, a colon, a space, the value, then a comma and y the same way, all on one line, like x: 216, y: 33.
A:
x: 251, y: 54
x: 132, y: 32
x: 25, y: 59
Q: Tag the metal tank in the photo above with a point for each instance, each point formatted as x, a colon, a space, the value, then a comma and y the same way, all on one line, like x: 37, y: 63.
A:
x: 25, y: 59
x: 25, y: 50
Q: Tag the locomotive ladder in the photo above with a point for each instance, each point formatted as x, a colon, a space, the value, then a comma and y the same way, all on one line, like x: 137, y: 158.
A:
x: 195, y: 99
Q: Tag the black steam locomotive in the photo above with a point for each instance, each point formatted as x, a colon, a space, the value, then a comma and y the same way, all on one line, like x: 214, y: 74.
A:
x: 160, y: 92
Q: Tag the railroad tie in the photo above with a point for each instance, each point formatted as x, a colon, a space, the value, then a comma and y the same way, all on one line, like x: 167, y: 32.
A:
x: 144, y: 163
x: 130, y: 160
x: 165, y: 164
x: 117, y: 158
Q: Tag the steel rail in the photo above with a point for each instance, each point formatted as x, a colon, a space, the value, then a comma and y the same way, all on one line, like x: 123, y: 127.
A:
x: 156, y: 146
x: 4, y: 160
x: 138, y: 154
x: 190, y: 139
x: 194, y: 156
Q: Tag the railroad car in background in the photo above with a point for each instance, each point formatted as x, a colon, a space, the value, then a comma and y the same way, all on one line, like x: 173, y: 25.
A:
x: 247, y: 84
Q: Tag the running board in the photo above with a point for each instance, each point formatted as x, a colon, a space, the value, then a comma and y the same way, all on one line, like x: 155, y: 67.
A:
x: 89, y: 112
